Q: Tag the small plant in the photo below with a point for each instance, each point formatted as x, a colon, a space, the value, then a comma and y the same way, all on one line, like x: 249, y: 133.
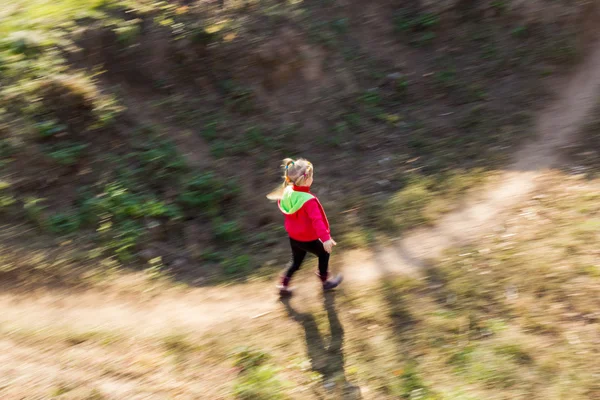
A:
x: 123, y: 240
x: 407, y: 23
x: 33, y: 210
x: 67, y: 154
x: 162, y: 159
x: 401, y: 85
x: 418, y: 27
x: 259, y: 383
x: 500, y: 5
x: 156, y: 270
x: 210, y: 131
x: 411, y: 386
x: 520, y: 31
x: 427, y: 21
x: 240, y: 99
x: 199, y: 35
x: 128, y: 31
x: 6, y: 199
x: 227, y: 231
x: 446, y: 78
x: 122, y: 204
x: 63, y: 223
x: 257, y: 380
x: 461, y: 358
x: 28, y: 43
x: 516, y: 352
x: 424, y: 39
x: 60, y: 390
x: 218, y: 149
x: 247, y: 358
x: 7, y: 148
x: 177, y: 344
x: 236, y: 265
x: 207, y: 193
x: 371, y: 98
x: 256, y: 137
x: 48, y: 129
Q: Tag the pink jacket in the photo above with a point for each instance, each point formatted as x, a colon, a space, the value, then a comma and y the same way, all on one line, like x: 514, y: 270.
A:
x: 305, y: 219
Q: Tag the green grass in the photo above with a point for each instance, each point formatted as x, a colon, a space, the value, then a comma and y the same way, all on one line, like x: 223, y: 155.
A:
x: 257, y: 379
x: 66, y: 154
x: 259, y: 384
x: 424, y: 200
x: 46, y: 15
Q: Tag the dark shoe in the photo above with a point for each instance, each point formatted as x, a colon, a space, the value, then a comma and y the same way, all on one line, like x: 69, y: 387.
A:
x: 331, y: 284
x: 284, y: 291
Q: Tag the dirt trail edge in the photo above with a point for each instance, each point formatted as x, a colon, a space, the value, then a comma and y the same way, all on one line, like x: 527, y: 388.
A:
x: 213, y: 309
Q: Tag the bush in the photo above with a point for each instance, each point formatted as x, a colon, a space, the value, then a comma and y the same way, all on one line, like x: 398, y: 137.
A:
x: 119, y: 212
x: 162, y: 160
x: 67, y: 154
x: 121, y: 204
x: 28, y: 43
x: 236, y: 265
x: 227, y: 231
x: 128, y: 31
x: 207, y: 193
x: 247, y: 358
x: 48, y: 129
x: 63, y: 223
x: 259, y: 383
x: 124, y: 239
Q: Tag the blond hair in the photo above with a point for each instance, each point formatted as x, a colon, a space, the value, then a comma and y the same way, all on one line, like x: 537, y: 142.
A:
x: 295, y: 172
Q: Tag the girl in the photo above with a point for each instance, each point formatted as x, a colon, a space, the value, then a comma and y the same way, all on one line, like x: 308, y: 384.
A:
x: 305, y: 223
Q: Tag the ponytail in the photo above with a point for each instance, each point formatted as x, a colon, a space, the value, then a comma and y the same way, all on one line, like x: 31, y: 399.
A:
x: 293, y: 172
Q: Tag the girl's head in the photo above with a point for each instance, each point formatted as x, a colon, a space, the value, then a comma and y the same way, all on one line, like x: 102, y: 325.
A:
x: 295, y: 172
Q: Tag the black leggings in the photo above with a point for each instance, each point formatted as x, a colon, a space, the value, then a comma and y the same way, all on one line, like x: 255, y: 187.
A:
x: 299, y: 250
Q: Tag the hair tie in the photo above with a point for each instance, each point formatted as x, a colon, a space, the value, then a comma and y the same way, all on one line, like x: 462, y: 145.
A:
x: 290, y: 163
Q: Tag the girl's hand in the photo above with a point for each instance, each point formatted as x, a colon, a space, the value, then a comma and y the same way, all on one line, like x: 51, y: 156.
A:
x: 328, y: 245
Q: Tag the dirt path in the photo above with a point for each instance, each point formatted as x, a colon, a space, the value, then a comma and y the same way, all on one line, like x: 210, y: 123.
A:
x: 213, y: 309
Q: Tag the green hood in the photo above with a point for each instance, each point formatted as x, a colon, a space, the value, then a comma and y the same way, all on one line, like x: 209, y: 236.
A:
x: 292, y: 201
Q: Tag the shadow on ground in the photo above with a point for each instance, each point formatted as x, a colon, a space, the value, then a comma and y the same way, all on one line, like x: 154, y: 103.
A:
x: 326, y: 356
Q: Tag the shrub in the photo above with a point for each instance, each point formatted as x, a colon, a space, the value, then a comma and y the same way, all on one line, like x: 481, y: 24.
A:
x: 67, y: 154
x: 63, y: 223
x: 236, y: 265
x: 207, y: 193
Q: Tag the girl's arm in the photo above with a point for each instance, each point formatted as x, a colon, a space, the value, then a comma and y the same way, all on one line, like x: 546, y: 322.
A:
x: 314, y: 213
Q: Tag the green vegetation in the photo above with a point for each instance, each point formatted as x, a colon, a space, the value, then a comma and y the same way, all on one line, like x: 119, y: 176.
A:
x: 257, y: 379
x: 425, y: 200
x: 132, y: 130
